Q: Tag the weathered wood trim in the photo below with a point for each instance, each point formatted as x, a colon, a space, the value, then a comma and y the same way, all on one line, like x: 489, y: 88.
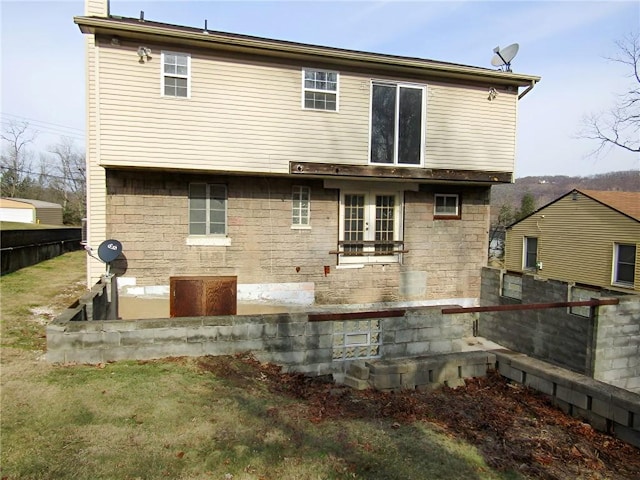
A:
x: 401, y: 173
x: 331, y: 317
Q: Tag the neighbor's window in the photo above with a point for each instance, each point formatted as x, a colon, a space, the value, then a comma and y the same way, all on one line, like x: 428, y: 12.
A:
x: 370, y: 230
x: 301, y: 197
x: 446, y: 206
x: 356, y: 339
x: 397, y: 123
x: 176, y: 68
x: 624, y: 264
x: 320, y: 89
x: 530, y: 252
x: 207, y: 209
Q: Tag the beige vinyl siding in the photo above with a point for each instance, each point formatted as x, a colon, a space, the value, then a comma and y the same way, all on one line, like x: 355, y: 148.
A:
x: 467, y: 131
x: 575, y: 241
x: 96, y: 201
x: 246, y: 116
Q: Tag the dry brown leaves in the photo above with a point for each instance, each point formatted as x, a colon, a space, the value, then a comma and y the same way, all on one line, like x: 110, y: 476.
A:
x: 514, y: 427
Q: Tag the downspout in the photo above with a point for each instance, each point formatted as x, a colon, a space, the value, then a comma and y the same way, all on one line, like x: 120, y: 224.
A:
x: 529, y: 88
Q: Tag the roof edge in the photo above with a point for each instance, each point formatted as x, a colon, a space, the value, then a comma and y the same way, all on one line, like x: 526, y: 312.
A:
x: 282, y: 48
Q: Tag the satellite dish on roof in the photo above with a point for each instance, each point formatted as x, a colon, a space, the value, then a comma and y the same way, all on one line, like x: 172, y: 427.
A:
x: 503, y: 57
x: 109, y: 250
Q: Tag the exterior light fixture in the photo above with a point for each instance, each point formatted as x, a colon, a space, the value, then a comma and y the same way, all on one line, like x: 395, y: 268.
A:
x: 144, y: 53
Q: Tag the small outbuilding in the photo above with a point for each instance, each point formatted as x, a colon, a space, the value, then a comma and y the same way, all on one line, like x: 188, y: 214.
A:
x: 24, y: 210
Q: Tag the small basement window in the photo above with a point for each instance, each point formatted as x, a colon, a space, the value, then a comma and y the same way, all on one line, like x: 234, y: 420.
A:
x: 446, y: 206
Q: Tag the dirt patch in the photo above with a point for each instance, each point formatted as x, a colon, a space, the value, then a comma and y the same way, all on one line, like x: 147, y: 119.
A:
x: 514, y: 427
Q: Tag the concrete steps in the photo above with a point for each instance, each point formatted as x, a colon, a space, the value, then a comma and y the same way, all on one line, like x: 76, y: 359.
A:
x: 428, y: 372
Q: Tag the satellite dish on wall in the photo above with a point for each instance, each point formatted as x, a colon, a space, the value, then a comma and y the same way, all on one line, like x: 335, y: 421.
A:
x: 503, y: 57
x: 109, y: 250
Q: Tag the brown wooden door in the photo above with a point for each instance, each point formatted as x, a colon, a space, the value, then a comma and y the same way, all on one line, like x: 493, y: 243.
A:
x: 202, y: 296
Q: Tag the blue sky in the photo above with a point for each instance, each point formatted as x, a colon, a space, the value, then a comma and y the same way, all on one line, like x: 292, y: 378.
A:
x: 564, y: 42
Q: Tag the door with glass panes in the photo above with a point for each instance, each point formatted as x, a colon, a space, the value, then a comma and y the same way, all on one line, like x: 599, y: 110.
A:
x: 370, y: 227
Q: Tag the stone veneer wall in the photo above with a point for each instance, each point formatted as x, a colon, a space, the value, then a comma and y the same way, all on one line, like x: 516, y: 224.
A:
x: 290, y: 340
x: 148, y: 213
x: 604, y: 345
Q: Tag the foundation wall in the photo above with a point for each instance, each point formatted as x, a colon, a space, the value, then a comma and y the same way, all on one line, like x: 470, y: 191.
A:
x: 149, y: 214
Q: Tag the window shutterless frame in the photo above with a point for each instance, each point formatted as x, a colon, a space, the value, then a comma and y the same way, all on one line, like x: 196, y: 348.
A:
x: 397, y: 124
x: 175, y: 77
x: 320, y: 89
x: 301, y: 207
x: 624, y: 264
x: 207, y: 209
x: 446, y: 206
x: 530, y: 253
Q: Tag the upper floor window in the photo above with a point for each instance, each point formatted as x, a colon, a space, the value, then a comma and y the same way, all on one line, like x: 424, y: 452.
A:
x: 300, y: 205
x: 207, y: 209
x: 320, y: 90
x: 176, y: 69
x: 530, y: 253
x: 446, y: 206
x: 397, y: 123
x: 624, y: 264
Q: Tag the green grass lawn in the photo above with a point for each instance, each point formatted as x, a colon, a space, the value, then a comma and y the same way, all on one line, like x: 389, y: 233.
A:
x: 180, y: 419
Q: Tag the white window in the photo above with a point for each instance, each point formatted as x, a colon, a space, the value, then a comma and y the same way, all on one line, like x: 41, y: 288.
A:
x: 300, y: 207
x: 370, y: 227
x: 320, y: 90
x: 397, y: 124
x: 624, y: 264
x: 356, y: 339
x: 176, y: 69
x: 530, y: 254
x: 207, y: 209
x: 446, y: 206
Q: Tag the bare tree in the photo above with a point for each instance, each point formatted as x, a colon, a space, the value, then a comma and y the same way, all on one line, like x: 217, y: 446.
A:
x: 620, y: 125
x: 69, y: 179
x: 15, y: 160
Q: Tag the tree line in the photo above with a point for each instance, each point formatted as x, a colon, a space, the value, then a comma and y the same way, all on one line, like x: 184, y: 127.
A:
x: 57, y: 175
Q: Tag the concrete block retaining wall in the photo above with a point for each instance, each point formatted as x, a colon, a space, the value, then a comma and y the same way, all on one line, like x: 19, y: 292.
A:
x: 603, y: 343
x: 617, y: 344
x: 605, y: 407
x: 287, y: 339
x: 553, y: 335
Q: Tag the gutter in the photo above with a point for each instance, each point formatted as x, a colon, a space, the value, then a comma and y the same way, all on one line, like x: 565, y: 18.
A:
x: 529, y: 88
x: 283, y: 49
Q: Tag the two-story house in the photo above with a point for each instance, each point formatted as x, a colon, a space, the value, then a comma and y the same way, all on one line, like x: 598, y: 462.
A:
x: 308, y: 172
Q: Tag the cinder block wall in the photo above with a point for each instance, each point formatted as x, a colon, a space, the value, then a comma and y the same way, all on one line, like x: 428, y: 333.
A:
x: 286, y: 339
x: 553, y: 335
x: 148, y: 213
x: 617, y: 349
x: 605, y: 347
